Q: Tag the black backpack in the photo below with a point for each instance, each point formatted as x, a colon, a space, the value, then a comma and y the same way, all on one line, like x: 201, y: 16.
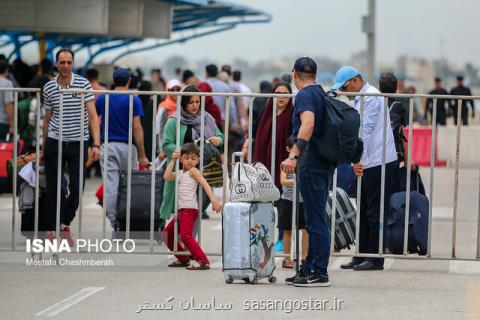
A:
x: 396, y: 121
x: 339, y: 142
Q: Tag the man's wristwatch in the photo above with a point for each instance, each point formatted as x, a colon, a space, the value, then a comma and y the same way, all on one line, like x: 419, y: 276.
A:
x: 292, y: 156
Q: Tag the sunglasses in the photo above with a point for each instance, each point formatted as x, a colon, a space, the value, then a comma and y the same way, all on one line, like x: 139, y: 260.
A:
x: 344, y: 87
x: 177, y: 89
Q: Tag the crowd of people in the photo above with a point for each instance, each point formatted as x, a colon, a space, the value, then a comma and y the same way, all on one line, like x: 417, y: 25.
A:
x: 299, y: 122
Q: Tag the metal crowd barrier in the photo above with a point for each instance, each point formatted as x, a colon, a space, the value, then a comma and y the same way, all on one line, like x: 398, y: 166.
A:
x: 251, y: 97
x: 411, y: 98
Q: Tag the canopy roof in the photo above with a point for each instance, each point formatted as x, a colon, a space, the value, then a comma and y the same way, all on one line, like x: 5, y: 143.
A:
x: 191, y: 19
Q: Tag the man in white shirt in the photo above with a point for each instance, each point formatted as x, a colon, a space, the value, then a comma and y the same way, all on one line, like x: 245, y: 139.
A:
x: 349, y: 79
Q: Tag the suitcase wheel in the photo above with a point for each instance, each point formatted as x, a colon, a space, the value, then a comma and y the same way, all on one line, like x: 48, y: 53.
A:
x: 246, y: 280
x: 272, y: 279
x: 229, y: 280
x: 254, y: 281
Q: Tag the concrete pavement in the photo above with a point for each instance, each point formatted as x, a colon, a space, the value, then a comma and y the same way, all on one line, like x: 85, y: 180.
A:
x: 405, y: 290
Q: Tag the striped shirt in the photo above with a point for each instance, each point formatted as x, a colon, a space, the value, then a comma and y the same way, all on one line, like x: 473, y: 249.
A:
x: 187, y: 191
x: 72, y: 106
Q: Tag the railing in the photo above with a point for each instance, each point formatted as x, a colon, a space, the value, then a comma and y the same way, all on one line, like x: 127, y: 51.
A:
x: 411, y: 98
x: 228, y: 97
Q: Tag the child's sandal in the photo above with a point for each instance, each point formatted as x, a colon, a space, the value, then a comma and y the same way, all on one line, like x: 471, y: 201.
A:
x: 195, y: 265
x: 178, y: 264
x: 287, y: 264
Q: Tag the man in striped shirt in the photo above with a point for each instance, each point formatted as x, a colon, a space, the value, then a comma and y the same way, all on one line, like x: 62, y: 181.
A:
x: 65, y: 125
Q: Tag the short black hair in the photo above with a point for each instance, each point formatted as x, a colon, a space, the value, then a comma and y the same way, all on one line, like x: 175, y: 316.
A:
x: 190, y: 148
x: 388, y: 82
x: 290, y: 142
x: 46, y: 66
x: 460, y: 78
x: 237, y: 75
x: 64, y: 50
x: 212, y: 70
x: 91, y: 74
x: 266, y: 86
x: 187, y: 74
x: 438, y: 79
x: 3, y: 66
x: 186, y: 99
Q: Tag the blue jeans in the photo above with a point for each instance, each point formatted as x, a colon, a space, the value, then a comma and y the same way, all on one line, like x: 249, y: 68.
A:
x: 313, y: 185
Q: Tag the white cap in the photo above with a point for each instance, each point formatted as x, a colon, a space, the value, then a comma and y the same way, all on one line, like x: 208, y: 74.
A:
x: 173, y: 83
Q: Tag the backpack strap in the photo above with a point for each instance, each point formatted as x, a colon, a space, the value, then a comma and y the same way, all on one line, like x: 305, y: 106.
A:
x: 332, y: 94
x: 391, y: 106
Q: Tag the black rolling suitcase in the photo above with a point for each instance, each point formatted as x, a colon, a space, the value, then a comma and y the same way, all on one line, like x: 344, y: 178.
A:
x: 140, y: 203
x: 28, y: 219
x: 26, y: 204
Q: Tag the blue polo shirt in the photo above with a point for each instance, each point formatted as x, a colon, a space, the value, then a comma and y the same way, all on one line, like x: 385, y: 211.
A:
x: 310, y: 98
x: 118, y: 112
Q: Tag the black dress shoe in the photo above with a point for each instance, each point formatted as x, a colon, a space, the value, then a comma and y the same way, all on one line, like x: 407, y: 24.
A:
x: 367, y: 266
x: 205, y: 216
x: 351, y: 263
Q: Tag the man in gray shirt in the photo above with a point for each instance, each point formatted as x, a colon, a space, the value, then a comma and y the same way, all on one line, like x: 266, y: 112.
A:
x: 6, y: 103
x: 211, y: 72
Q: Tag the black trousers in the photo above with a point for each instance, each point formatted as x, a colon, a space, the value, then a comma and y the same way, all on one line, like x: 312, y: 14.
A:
x: 71, y: 159
x: 370, y: 208
x: 4, y: 130
x: 464, y: 113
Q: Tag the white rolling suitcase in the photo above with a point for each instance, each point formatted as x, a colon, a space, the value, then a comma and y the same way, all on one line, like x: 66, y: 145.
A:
x: 248, y: 241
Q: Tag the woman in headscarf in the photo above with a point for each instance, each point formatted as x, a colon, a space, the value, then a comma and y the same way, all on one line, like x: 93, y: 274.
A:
x: 190, y: 121
x: 262, y: 145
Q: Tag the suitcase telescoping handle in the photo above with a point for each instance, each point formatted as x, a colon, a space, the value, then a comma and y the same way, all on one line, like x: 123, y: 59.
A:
x: 297, y: 222
x: 237, y: 157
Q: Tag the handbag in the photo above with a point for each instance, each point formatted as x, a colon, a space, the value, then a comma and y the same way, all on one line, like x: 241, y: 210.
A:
x: 212, y: 164
x: 252, y: 183
x: 416, y: 183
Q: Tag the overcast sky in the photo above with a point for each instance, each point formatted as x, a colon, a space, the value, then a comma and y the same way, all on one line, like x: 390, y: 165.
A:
x: 426, y: 28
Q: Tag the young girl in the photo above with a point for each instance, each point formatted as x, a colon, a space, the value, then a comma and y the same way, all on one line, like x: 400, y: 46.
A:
x: 285, y: 216
x: 188, y: 180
